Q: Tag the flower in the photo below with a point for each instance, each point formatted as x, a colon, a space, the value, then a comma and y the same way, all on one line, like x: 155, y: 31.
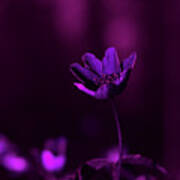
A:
x: 15, y: 163
x: 10, y: 158
x: 53, y: 156
x: 105, y: 79
x: 51, y: 162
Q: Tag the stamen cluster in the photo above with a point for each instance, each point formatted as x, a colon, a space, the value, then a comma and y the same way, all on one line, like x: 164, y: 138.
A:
x: 106, y: 79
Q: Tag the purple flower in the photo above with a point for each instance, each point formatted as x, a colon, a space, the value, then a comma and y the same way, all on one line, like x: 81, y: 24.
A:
x: 51, y: 162
x: 103, y: 79
x: 15, y: 163
x: 9, y: 157
x: 53, y: 157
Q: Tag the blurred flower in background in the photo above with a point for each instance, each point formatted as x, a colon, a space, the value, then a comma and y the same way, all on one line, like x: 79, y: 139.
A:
x: 52, y: 162
x: 47, y: 162
x: 15, y: 163
x: 10, y: 158
x: 53, y: 156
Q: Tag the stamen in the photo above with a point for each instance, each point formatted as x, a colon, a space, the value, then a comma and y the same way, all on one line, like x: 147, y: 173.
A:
x: 103, y: 75
x: 116, y: 75
x: 95, y: 79
x: 102, y: 81
x: 107, y: 79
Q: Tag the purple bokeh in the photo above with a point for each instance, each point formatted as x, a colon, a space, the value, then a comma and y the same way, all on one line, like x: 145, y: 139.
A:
x: 52, y: 163
x: 15, y: 163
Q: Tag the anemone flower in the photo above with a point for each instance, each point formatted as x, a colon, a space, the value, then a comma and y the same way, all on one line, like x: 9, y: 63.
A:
x: 103, y: 79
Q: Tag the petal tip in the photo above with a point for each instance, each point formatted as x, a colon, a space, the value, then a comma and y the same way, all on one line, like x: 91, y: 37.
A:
x: 73, y: 65
x: 81, y: 87
x: 133, y: 58
x: 133, y: 55
x: 111, y: 49
x: 129, y: 63
x: 87, y: 56
x: 78, y: 85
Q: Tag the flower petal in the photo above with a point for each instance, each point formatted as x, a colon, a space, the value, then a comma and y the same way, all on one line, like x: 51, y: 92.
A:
x: 111, y: 62
x: 83, y: 74
x: 91, y: 60
x: 121, y: 83
x: 122, y: 77
x: 129, y: 62
x: 84, y: 89
x: 102, y: 92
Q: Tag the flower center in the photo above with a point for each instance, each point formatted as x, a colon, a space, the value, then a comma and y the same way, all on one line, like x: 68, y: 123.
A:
x: 106, y: 79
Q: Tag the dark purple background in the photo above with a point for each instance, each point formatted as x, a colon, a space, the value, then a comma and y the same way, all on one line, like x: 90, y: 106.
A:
x: 39, y: 39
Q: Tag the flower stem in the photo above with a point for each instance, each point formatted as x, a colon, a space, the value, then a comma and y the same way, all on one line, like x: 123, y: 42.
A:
x: 116, y: 116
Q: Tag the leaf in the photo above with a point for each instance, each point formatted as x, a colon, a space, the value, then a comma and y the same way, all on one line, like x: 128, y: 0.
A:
x: 133, y: 166
x: 143, y: 165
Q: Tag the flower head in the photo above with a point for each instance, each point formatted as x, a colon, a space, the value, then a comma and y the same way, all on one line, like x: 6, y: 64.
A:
x: 103, y: 79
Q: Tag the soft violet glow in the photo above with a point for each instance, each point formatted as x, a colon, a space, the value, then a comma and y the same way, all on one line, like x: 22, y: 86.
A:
x: 70, y: 18
x: 15, y: 163
x: 51, y: 162
x: 123, y: 33
x: 141, y: 178
x: 113, y: 155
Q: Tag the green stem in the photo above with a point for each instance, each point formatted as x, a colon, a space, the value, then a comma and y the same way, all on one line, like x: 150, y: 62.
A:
x: 114, y: 107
